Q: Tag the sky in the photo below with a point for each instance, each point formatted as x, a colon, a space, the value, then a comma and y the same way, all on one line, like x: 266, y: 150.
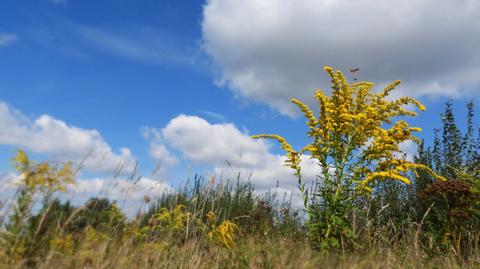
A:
x: 176, y: 88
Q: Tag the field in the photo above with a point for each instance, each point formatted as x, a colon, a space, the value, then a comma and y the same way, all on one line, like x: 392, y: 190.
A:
x: 371, y: 206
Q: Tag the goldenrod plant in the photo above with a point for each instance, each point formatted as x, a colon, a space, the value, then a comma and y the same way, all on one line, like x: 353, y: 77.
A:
x: 356, y: 139
x: 42, y: 180
x: 224, y: 234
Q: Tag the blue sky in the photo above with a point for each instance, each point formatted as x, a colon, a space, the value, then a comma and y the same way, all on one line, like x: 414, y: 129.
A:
x: 118, y: 74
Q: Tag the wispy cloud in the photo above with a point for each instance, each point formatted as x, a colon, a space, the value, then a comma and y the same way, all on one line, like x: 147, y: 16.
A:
x: 58, y: 2
x: 138, y: 43
x: 7, y: 39
x: 213, y: 115
x: 134, y: 42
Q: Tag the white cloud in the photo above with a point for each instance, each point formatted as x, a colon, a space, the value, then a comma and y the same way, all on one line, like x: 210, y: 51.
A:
x: 129, y: 193
x: 272, y: 50
x: 409, y: 148
x: 52, y: 136
x: 215, y: 144
x: 229, y: 152
x: 7, y: 39
x: 119, y: 189
x: 9, y: 181
x: 157, y: 149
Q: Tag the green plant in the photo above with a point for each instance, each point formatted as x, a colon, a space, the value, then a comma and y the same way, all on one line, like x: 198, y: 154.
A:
x: 35, y: 179
x: 354, y: 151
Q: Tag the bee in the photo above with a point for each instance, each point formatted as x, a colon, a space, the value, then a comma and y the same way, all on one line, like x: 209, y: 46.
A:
x: 354, y: 71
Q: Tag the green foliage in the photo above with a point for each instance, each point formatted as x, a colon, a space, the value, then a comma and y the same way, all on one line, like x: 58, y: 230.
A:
x: 98, y: 213
x: 453, y: 214
x: 451, y: 143
x: 44, y: 226
x: 231, y: 201
x: 329, y: 211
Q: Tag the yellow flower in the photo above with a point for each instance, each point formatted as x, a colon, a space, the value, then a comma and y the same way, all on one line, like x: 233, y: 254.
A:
x: 43, y: 176
x: 350, y: 131
x: 225, y: 234
x: 211, y: 216
x: 293, y: 157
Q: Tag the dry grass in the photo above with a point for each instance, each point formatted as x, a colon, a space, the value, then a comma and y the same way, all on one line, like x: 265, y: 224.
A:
x: 181, y: 230
x: 252, y: 252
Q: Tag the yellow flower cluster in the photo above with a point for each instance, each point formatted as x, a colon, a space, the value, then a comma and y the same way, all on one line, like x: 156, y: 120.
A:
x: 395, y: 169
x: 350, y: 132
x: 178, y: 219
x: 62, y: 244
x: 43, y: 176
x: 225, y: 234
x: 175, y: 219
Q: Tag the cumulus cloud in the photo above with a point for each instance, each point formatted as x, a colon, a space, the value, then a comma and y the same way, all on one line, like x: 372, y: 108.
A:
x: 157, y: 149
x: 7, y: 39
x: 53, y: 136
x: 215, y: 144
x: 272, y: 50
x: 229, y: 152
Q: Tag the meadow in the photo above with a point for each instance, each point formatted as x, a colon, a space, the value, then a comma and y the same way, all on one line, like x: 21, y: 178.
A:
x: 370, y: 207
